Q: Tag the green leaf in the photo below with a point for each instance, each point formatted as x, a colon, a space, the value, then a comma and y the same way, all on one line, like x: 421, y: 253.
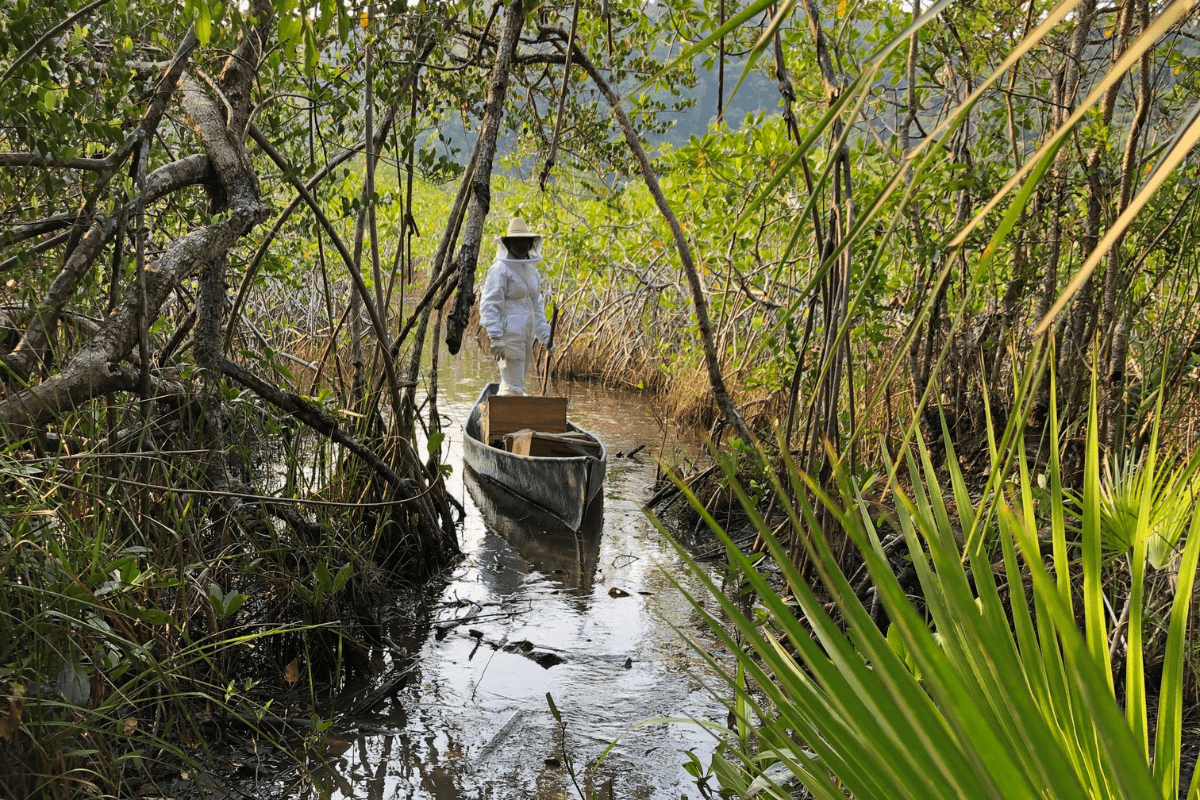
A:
x: 311, y: 50
x: 1170, y: 708
x: 322, y: 583
x: 233, y: 602
x: 203, y: 23
x: 289, y: 30
x: 302, y: 592
x: 343, y: 575
x: 152, y: 616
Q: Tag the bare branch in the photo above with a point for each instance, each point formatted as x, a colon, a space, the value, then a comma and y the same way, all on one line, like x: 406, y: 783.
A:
x: 40, y: 247
x: 41, y: 227
x: 316, y: 419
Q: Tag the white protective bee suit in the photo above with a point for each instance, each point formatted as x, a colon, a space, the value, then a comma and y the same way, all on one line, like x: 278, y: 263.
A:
x: 512, y: 313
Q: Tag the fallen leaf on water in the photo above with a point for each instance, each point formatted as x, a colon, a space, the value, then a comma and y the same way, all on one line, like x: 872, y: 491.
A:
x: 291, y: 673
x: 615, y: 592
x: 547, y: 660
x: 335, y: 747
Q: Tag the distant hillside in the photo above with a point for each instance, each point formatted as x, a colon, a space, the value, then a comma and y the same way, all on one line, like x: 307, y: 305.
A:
x: 757, y: 93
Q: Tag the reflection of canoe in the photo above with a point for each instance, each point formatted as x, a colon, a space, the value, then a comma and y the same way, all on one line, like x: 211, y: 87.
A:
x: 568, y: 558
x: 562, y: 486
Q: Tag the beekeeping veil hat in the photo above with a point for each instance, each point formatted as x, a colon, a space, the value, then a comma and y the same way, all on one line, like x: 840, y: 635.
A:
x: 517, y: 229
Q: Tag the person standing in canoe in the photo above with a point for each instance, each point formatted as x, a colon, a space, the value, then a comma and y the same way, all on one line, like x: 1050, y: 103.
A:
x: 511, y: 308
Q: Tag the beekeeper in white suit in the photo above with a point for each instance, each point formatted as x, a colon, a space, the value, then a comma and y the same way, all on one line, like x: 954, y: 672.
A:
x: 511, y: 308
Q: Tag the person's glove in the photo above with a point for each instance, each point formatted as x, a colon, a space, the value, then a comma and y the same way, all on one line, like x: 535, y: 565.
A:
x: 497, y: 350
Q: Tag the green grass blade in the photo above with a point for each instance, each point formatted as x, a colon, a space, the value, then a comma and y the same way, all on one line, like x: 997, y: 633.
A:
x: 761, y: 45
x: 1032, y: 654
x: 1089, y: 680
x: 836, y: 719
x: 1058, y: 522
x: 1095, y: 628
x: 1170, y: 699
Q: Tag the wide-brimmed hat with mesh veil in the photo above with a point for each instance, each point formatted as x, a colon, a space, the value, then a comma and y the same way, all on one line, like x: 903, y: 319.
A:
x: 517, y: 229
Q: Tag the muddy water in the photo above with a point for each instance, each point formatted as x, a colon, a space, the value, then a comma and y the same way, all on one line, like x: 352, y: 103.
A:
x: 531, y: 610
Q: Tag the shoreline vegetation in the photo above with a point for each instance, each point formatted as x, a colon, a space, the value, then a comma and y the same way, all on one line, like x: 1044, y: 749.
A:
x: 937, y: 313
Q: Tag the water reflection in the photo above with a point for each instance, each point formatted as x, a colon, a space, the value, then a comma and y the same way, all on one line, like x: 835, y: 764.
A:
x: 533, y: 609
x: 567, y: 558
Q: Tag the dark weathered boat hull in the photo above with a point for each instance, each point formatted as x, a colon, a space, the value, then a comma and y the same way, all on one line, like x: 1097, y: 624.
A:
x: 562, y: 486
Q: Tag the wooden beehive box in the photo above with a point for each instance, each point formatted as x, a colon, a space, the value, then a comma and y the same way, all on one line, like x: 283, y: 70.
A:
x: 551, y: 445
x: 505, y: 415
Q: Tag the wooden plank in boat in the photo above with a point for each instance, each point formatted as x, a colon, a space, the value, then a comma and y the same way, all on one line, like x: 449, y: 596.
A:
x: 504, y: 415
x: 551, y: 445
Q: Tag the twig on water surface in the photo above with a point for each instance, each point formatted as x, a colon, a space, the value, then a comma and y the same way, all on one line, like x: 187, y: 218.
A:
x: 500, y: 735
x: 389, y: 686
x: 454, y: 623
x: 503, y: 641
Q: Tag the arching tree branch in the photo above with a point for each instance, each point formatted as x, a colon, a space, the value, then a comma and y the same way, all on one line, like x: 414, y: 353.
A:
x: 699, y: 302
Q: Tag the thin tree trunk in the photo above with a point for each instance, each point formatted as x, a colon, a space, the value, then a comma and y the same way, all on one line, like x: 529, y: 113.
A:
x: 481, y: 194
x: 1070, y: 357
x: 372, y: 157
x: 1114, y: 321
x: 210, y: 308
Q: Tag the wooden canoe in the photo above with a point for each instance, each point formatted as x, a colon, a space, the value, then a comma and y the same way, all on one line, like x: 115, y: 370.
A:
x: 564, y: 487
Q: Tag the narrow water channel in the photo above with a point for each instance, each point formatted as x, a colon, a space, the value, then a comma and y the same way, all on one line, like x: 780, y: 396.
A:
x: 587, y: 618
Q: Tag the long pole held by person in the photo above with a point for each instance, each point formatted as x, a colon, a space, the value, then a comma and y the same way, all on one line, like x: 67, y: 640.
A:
x: 550, y: 345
